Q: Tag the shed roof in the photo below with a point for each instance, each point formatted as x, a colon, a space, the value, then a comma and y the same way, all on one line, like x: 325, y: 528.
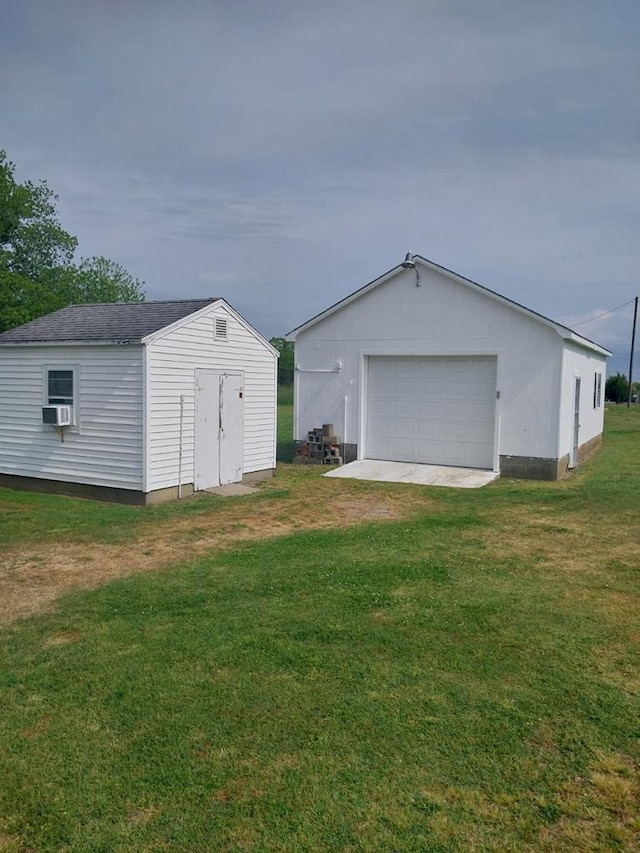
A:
x: 564, y: 331
x: 128, y: 322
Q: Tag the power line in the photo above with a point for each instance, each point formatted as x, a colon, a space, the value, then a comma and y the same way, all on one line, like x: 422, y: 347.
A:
x: 604, y: 314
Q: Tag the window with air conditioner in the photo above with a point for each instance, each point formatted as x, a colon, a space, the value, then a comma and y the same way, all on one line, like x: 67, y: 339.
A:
x: 60, y: 393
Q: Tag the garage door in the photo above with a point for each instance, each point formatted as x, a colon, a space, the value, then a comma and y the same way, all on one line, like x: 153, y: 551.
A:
x: 438, y: 411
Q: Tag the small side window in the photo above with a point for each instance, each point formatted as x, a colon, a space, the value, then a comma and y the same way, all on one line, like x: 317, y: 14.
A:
x: 220, y: 329
x: 60, y: 388
x: 597, y: 391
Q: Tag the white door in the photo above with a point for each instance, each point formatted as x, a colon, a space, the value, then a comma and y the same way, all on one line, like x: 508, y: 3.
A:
x: 219, y: 429
x: 231, y: 427
x: 575, y: 424
x: 432, y: 410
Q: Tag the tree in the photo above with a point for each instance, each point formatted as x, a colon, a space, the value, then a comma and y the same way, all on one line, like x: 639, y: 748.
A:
x: 37, y: 270
x: 286, y: 360
x: 101, y: 280
x: 616, y: 389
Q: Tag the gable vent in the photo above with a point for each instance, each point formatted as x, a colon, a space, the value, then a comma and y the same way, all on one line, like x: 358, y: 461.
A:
x: 220, y: 329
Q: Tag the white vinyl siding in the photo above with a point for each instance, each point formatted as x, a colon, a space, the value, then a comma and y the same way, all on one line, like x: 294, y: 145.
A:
x: 172, y: 360
x: 577, y: 363
x: 441, y: 318
x: 105, y: 448
x: 220, y: 328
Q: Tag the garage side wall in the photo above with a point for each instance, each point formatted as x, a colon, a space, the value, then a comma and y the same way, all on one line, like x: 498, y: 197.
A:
x: 104, y: 447
x: 441, y: 317
x: 578, y: 362
x: 171, y: 364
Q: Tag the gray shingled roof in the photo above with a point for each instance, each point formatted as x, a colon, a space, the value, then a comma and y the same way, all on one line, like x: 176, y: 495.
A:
x: 129, y: 322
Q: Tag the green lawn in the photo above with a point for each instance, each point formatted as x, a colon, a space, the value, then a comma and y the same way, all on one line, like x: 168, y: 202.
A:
x: 468, y: 680
x: 285, y: 424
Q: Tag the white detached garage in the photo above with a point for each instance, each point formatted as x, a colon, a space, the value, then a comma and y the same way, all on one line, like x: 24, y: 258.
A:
x: 137, y: 402
x: 423, y: 365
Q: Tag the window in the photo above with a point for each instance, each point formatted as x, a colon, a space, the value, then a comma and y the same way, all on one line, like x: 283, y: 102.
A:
x: 60, y: 387
x: 597, y: 391
x: 220, y: 329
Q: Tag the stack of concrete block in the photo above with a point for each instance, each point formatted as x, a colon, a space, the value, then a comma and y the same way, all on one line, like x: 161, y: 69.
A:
x: 321, y: 447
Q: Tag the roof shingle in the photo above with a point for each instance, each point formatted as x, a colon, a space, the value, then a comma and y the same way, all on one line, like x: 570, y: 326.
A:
x: 119, y: 322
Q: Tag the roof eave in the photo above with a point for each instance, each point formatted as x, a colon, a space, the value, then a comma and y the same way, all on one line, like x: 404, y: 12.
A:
x: 575, y: 338
x: 93, y: 342
x: 292, y: 335
x: 154, y: 336
x: 165, y: 330
x: 564, y: 331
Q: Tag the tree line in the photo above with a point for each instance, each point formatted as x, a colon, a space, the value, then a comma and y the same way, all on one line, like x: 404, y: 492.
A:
x: 616, y: 389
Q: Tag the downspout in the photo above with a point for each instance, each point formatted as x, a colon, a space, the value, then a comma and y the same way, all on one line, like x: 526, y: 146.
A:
x: 344, y: 421
x: 180, y: 447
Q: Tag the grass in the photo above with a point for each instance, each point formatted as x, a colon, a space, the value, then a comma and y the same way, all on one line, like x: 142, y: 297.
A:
x: 29, y: 518
x: 284, y: 448
x: 466, y: 679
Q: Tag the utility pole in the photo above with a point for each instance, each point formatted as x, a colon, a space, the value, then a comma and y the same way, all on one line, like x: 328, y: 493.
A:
x: 633, y: 344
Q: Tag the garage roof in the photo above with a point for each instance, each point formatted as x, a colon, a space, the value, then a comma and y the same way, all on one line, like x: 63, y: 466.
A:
x: 564, y: 331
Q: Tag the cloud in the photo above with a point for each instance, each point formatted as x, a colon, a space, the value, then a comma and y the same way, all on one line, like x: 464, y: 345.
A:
x: 290, y: 153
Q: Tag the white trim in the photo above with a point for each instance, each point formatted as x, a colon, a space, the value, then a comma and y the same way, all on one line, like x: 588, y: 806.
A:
x: 154, y: 336
x: 296, y: 403
x: 75, y: 406
x: 575, y: 377
x: 597, y: 389
x: 411, y: 353
x: 563, y: 331
x: 166, y: 330
x: 249, y: 328
x: 362, y: 417
x: 275, y: 420
x: 145, y: 420
x: 336, y: 369
x: 497, y: 416
x: 134, y: 342
x: 202, y: 312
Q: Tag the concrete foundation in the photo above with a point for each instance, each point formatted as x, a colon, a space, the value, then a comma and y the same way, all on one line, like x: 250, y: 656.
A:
x: 349, y: 452
x: 532, y: 467
x: 535, y: 468
x: 109, y: 494
x: 518, y: 467
x: 258, y: 476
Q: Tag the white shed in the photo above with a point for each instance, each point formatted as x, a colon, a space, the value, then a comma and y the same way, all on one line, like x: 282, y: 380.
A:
x: 144, y: 401
x: 423, y: 365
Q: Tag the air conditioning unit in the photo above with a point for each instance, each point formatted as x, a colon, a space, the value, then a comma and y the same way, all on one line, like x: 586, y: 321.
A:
x: 57, y: 415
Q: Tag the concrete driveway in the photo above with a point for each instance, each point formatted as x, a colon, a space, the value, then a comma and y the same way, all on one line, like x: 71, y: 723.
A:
x: 409, y: 472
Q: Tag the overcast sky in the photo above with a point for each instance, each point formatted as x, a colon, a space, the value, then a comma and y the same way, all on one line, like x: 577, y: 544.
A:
x: 283, y: 154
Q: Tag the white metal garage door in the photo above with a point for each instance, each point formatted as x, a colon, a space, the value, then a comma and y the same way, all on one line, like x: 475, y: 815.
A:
x: 434, y: 410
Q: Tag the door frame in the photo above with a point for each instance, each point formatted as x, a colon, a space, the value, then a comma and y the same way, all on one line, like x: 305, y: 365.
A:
x: 576, y: 399
x: 214, y: 436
